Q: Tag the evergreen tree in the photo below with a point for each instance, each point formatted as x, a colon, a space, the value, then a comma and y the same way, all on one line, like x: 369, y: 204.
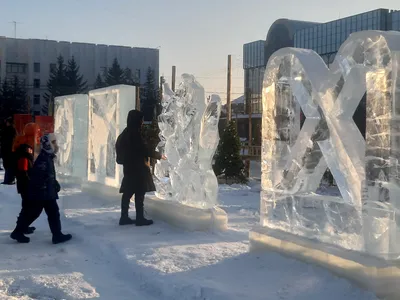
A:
x: 5, y: 100
x: 75, y: 82
x: 57, y: 85
x: 129, y: 77
x: 115, y: 74
x: 227, y: 159
x: 149, y: 97
x: 99, y: 83
x: 12, y: 98
x: 19, y: 102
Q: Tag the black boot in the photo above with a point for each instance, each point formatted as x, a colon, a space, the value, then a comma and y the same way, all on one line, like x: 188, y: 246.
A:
x: 61, y: 238
x: 30, y: 230
x: 125, y: 220
x: 140, y: 219
x: 20, y: 237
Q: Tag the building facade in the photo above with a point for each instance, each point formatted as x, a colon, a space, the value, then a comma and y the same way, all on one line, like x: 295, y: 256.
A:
x: 254, y: 68
x: 326, y: 38
x: 32, y: 61
x: 323, y: 38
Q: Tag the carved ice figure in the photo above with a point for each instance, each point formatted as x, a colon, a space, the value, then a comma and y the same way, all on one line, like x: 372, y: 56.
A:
x: 108, y: 111
x: 189, y: 138
x: 71, y: 129
x: 295, y: 157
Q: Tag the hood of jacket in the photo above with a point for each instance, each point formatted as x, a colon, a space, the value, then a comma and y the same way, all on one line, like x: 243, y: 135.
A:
x: 135, y: 120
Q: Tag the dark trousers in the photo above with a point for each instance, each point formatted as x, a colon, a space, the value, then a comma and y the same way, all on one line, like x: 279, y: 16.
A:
x: 9, y: 175
x: 32, y: 210
x: 24, y: 209
x: 139, y: 204
x: 25, y: 201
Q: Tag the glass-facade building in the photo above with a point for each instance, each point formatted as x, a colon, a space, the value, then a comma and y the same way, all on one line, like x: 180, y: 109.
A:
x: 254, y: 65
x: 326, y: 39
x: 323, y: 38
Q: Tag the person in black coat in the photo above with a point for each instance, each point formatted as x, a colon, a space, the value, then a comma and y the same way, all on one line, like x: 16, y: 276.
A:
x: 24, y: 163
x: 8, y: 135
x: 133, y: 153
x: 43, y: 194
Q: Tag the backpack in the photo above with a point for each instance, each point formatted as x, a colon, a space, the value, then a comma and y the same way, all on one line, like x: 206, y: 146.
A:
x: 119, y: 151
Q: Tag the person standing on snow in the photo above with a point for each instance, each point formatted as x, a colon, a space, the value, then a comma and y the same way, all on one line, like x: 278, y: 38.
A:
x: 24, y: 163
x: 43, y: 194
x: 8, y: 135
x: 133, y: 153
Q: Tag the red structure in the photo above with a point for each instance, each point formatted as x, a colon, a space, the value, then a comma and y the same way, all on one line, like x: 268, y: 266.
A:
x: 30, y: 136
x: 46, y: 124
x: 20, y: 121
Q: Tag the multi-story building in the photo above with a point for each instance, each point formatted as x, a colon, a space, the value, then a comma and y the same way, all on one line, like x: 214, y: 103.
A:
x: 324, y: 38
x: 32, y: 61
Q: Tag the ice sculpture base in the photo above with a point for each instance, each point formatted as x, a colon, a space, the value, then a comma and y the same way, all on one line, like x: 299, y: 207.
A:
x: 374, y: 274
x: 102, y: 191
x: 67, y: 180
x: 186, y: 217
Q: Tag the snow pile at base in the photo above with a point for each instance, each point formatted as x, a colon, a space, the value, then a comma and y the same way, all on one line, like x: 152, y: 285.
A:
x: 106, y: 261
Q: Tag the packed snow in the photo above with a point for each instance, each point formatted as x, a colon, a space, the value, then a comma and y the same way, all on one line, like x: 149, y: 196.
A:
x: 106, y: 261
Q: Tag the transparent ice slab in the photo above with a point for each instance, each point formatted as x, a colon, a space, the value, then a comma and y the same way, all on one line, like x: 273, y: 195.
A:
x: 108, y: 112
x: 294, y: 157
x: 71, y: 129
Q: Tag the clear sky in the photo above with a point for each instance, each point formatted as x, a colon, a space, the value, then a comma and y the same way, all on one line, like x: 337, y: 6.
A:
x: 196, y: 36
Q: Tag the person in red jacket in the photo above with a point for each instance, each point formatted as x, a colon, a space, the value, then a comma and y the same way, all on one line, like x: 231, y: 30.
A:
x: 24, y: 163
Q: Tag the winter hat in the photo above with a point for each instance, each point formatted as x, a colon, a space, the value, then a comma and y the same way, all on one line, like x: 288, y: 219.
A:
x: 46, y: 142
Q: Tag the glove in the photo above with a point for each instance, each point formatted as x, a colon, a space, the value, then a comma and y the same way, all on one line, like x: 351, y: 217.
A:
x: 58, y: 187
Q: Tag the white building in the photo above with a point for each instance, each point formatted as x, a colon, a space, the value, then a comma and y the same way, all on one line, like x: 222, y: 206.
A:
x: 32, y: 59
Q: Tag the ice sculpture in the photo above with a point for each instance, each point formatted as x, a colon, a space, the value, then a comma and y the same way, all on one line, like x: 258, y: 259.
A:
x: 189, y: 138
x: 108, y: 111
x: 71, y: 129
x: 295, y: 156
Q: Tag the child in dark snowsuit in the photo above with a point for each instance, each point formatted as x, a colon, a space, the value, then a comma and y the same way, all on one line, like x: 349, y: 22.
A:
x: 24, y: 163
x: 43, y: 194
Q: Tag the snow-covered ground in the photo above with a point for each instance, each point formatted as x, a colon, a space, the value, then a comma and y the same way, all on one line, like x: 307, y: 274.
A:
x: 106, y: 261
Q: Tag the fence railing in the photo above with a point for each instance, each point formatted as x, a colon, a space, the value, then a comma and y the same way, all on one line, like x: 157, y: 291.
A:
x: 251, y: 151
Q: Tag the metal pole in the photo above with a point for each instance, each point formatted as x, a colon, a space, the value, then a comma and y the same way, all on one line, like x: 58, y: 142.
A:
x: 137, y: 96
x: 229, y: 85
x: 173, y: 78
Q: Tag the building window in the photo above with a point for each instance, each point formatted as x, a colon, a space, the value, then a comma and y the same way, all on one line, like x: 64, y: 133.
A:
x: 36, y: 99
x: 15, y: 68
x: 52, y: 67
x: 36, y: 83
x: 36, y: 113
x: 36, y: 67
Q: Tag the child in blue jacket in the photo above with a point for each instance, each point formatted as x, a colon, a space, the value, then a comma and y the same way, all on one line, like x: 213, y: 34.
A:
x: 43, y: 194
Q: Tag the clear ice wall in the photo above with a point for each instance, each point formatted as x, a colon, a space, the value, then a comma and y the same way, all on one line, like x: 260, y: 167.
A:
x: 364, y: 217
x: 189, y: 138
x: 108, y: 112
x: 71, y: 129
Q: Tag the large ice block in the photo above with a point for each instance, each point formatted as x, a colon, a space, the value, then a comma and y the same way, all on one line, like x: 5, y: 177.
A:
x: 364, y: 217
x: 71, y: 129
x: 189, y: 138
x: 108, y: 112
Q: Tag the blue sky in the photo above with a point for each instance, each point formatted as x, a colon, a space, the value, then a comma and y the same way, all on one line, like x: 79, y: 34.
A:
x: 196, y: 36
